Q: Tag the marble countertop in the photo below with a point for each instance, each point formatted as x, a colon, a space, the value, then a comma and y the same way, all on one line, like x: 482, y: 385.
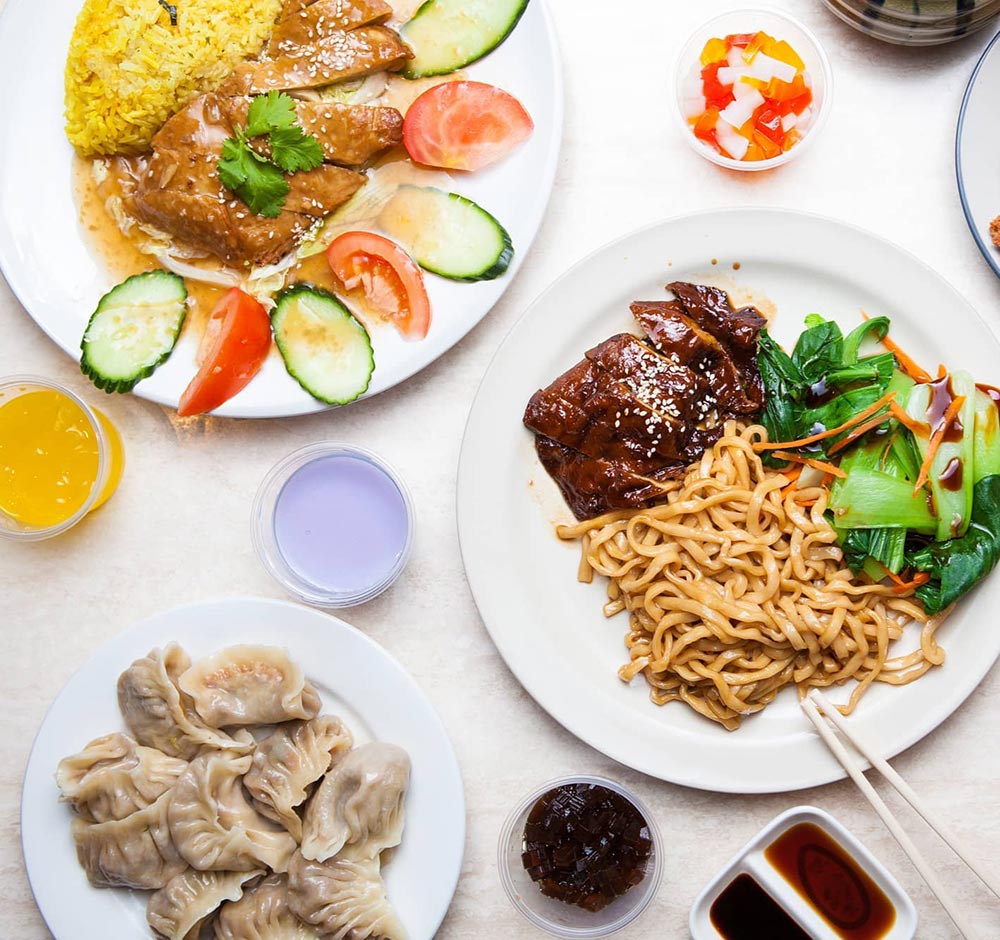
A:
x: 178, y: 528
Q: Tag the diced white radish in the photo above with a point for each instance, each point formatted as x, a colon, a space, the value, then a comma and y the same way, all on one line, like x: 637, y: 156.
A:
x: 738, y: 112
x: 735, y: 57
x: 789, y: 121
x: 694, y: 106
x: 735, y: 145
x: 743, y: 90
x: 730, y: 75
x: 765, y: 68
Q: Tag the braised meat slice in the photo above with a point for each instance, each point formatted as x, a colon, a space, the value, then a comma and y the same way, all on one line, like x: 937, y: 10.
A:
x: 675, y: 335
x: 350, y: 135
x: 591, y: 486
x: 636, y: 412
x: 710, y: 308
x: 302, y: 23
x: 333, y: 57
x: 179, y: 191
x: 602, y: 410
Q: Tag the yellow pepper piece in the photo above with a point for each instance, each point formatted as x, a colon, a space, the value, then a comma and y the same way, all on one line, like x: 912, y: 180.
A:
x: 761, y: 42
x: 715, y: 50
x: 783, y: 52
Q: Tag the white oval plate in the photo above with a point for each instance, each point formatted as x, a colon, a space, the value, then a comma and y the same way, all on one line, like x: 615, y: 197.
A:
x: 977, y: 143
x: 357, y: 680
x: 51, y: 269
x: 551, y: 630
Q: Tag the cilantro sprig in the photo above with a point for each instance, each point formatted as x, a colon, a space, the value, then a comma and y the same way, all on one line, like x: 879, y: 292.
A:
x: 258, y: 180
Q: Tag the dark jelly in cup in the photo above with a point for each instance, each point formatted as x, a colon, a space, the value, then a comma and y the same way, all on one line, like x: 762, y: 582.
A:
x: 333, y: 524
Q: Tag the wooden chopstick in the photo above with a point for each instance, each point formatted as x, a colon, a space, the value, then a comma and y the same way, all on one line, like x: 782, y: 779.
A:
x: 833, y: 715
x: 885, y: 814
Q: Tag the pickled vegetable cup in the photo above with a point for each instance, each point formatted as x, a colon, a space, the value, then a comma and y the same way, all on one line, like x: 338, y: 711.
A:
x: 59, y: 458
x: 557, y: 917
x: 752, y: 89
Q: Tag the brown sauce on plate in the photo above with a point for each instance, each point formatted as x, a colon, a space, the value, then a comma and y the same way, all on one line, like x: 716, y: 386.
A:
x: 951, y: 476
x: 745, y: 911
x: 942, y: 395
x: 832, y: 882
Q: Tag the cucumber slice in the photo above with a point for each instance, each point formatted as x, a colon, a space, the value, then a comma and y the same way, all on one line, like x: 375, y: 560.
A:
x: 446, y: 35
x: 447, y: 234
x: 325, y: 349
x: 133, y: 330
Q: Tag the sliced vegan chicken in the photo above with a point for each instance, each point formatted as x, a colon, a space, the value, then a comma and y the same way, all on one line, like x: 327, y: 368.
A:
x: 592, y: 486
x: 335, y: 57
x: 623, y: 402
x: 349, y: 134
x: 180, y: 192
x: 711, y: 309
x: 637, y: 412
x: 674, y: 334
x: 223, y: 226
x: 301, y: 23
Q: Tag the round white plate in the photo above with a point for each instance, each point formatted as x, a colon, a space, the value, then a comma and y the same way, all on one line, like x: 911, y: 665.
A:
x: 977, y: 143
x: 51, y: 269
x: 357, y: 680
x: 551, y: 630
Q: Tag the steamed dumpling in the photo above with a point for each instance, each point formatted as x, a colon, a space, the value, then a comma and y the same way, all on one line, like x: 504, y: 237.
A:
x: 344, y: 898
x: 157, y: 713
x: 134, y: 852
x: 360, y: 803
x: 249, y: 685
x: 289, y: 761
x: 263, y: 914
x: 178, y: 909
x: 214, y: 826
x: 113, y: 777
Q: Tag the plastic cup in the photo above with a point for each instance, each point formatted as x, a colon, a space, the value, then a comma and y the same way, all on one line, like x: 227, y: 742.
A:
x: 110, y: 459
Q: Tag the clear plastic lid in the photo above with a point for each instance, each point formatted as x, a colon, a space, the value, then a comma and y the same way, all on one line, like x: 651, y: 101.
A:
x: 916, y: 22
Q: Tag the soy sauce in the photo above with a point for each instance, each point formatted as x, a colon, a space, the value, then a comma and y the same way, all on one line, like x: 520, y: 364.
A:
x: 745, y: 911
x: 832, y: 882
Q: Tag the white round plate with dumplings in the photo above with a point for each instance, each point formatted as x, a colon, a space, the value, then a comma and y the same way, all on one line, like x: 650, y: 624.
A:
x: 551, y: 630
x: 58, y: 278
x: 356, y: 679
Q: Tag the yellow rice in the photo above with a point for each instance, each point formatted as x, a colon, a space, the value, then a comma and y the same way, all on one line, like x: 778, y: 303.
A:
x: 129, y: 69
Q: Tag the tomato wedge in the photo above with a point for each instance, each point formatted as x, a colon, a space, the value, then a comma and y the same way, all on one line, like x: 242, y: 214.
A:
x: 236, y: 342
x: 392, y: 281
x: 465, y: 126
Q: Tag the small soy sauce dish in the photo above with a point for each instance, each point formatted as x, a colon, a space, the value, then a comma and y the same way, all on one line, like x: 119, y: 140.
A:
x: 804, y: 877
x: 580, y: 857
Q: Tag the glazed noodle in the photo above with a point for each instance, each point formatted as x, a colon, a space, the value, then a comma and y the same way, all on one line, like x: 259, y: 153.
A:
x: 736, y: 588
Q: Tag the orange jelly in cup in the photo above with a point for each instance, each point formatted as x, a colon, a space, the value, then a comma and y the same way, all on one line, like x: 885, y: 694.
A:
x: 59, y: 458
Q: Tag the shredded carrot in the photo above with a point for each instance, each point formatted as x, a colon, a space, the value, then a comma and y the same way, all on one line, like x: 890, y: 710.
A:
x: 905, y: 362
x: 805, y: 502
x: 793, y: 476
x: 857, y: 432
x: 911, y: 424
x: 902, y: 585
x: 831, y: 432
x: 935, y: 442
x: 942, y: 371
x: 828, y: 478
x: 810, y: 462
